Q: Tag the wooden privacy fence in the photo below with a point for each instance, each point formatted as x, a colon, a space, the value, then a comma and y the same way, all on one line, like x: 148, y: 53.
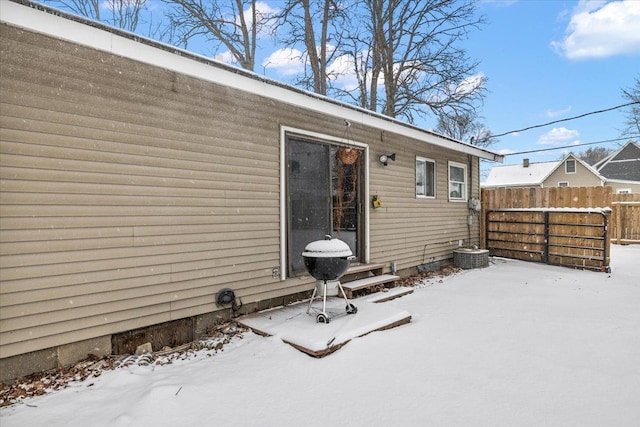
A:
x: 625, y: 221
x: 624, y: 224
x: 570, y: 237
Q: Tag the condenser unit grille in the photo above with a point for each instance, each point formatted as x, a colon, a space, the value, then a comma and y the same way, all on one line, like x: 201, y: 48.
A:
x: 471, y: 258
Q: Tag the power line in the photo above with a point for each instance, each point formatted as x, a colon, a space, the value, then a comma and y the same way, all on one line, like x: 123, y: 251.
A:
x: 567, y: 119
x: 571, y: 146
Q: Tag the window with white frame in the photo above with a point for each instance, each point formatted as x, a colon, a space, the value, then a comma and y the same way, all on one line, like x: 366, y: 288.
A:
x: 457, y: 181
x: 563, y: 184
x: 425, y: 177
x: 623, y: 191
x: 570, y: 166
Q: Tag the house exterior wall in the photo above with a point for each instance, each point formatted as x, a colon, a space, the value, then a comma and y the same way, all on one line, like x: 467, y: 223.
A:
x: 410, y: 230
x: 131, y: 194
x: 583, y: 177
x: 631, y: 186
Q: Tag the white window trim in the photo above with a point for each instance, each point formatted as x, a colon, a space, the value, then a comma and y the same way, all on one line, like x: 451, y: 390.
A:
x: 575, y: 166
x: 435, y: 174
x: 623, y: 191
x: 563, y: 182
x: 466, y: 184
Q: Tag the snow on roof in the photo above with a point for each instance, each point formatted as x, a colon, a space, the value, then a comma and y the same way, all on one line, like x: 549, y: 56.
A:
x: 512, y: 175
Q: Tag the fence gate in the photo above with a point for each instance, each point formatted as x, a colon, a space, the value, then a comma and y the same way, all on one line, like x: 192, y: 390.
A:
x: 570, y: 237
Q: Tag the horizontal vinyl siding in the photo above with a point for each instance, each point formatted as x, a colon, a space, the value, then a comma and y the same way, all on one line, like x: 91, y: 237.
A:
x: 130, y: 195
x: 410, y: 230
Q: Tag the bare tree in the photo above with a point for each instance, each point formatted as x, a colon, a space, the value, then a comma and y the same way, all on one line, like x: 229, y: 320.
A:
x: 465, y: 127
x: 87, y: 8
x: 632, y: 118
x: 413, y: 64
x: 233, y: 24
x: 593, y: 155
x: 316, y: 25
x: 123, y: 14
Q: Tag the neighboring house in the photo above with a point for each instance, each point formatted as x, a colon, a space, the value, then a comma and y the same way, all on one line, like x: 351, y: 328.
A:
x: 568, y: 172
x: 621, y: 169
x: 139, y: 181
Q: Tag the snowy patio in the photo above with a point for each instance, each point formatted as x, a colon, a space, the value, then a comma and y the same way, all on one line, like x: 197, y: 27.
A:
x: 296, y: 324
x: 514, y: 344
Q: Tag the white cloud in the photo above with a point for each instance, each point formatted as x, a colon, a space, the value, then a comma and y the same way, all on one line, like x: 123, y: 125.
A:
x: 470, y: 84
x: 505, y: 151
x: 342, y: 71
x: 559, y: 136
x: 555, y: 113
x: 263, y: 11
x: 599, y: 30
x: 226, y: 57
x: 286, y: 62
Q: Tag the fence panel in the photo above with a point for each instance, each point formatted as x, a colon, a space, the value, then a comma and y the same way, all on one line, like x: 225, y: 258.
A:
x: 625, y: 222
x: 624, y: 226
x: 570, y: 237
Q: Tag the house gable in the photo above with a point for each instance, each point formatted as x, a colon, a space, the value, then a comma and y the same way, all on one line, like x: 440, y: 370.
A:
x: 572, y: 172
x: 623, y: 165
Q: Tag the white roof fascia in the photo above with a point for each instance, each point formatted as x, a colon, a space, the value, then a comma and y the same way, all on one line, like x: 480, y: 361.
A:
x: 601, y: 163
x: 621, y: 181
x: 544, y: 178
x: 116, y: 42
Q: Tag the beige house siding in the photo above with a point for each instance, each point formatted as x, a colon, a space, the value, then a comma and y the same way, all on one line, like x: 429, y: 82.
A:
x: 131, y: 194
x: 411, y: 230
x: 583, y: 177
x: 128, y: 197
x: 633, y: 187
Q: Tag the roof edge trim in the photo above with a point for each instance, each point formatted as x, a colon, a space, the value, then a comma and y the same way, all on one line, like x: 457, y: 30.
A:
x: 54, y: 23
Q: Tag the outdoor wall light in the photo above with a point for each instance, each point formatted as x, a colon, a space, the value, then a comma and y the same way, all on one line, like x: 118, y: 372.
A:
x: 384, y: 159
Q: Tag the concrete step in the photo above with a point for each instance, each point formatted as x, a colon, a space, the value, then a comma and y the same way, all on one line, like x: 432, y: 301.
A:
x: 390, y: 294
x: 357, y: 269
x: 367, y: 282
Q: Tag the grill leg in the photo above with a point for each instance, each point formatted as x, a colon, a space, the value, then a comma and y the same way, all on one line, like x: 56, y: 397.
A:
x: 324, y: 299
x: 313, y: 295
x: 343, y: 294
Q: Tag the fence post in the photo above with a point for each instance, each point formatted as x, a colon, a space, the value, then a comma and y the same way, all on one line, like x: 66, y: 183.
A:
x: 546, y: 237
x: 616, y: 207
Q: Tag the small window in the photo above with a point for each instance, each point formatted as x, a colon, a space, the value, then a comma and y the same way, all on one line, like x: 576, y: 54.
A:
x: 457, y: 181
x: 623, y: 191
x: 570, y: 166
x: 425, y: 177
x: 563, y: 184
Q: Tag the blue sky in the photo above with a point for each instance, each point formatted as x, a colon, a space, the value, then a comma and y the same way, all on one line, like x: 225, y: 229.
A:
x: 550, y: 60
x: 545, y: 60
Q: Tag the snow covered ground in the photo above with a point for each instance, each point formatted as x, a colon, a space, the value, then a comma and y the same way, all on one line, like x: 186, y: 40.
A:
x: 515, y: 344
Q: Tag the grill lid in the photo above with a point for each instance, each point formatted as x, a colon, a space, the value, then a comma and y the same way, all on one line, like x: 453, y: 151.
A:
x: 328, y: 248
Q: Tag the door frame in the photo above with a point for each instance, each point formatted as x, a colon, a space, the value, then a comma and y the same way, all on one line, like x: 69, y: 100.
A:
x: 286, y: 131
